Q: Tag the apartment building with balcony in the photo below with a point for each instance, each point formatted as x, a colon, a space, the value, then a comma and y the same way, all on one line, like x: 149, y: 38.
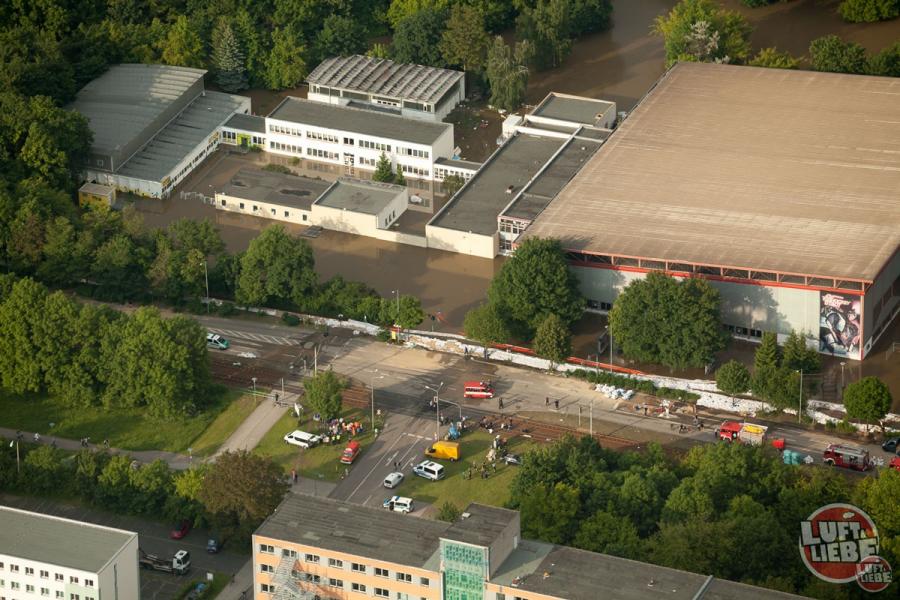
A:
x: 314, y: 548
x: 46, y: 557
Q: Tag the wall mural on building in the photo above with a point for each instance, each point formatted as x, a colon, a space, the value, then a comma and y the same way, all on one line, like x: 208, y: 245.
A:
x: 839, y: 324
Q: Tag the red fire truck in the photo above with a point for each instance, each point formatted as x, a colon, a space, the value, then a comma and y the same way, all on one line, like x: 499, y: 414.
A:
x: 478, y: 389
x: 744, y: 433
x: 848, y: 457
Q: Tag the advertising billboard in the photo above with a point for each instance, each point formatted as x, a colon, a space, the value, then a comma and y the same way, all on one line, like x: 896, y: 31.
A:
x: 840, y: 319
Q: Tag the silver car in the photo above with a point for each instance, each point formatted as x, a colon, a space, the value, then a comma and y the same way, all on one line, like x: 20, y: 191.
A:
x: 393, y: 480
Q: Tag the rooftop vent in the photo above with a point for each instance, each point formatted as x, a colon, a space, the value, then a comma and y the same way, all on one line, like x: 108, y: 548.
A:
x: 298, y: 193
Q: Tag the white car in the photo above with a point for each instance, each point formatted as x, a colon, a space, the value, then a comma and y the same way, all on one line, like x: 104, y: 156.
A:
x: 302, y: 439
x: 216, y: 341
x: 393, y: 480
x: 398, y: 504
x: 429, y: 470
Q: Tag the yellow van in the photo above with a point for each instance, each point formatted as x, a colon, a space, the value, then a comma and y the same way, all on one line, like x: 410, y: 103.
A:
x: 444, y: 450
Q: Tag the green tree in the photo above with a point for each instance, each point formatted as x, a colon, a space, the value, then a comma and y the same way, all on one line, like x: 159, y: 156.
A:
x: 869, y: 11
x: 118, y: 267
x: 549, y: 28
x: 44, y: 470
x: 773, y: 59
x: 114, y: 489
x: 830, y: 53
x: 384, y: 171
x: 797, y: 355
x: 534, y: 283
x: 448, y: 512
x: 250, y: 38
x: 550, y: 513
x: 452, y: 184
x: 228, y: 58
x: 733, y: 378
x: 21, y: 314
x: 507, y: 73
x: 340, y: 36
x: 285, y: 67
x: 885, y: 63
x: 877, y: 495
x: 868, y: 399
x: 182, y: 46
x: 411, y: 313
x: 486, y: 325
x: 276, y: 267
x: 240, y: 490
x: 658, y: 319
x: 399, y: 178
x: 152, y: 484
x: 766, y: 362
x: 417, y: 37
x: 609, y: 534
x: 465, y: 41
x: 324, y: 392
x: 400, y: 9
x: 700, y: 30
x: 553, y: 340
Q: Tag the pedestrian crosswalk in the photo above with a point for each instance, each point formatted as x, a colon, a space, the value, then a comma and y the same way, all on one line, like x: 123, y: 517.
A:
x: 233, y: 334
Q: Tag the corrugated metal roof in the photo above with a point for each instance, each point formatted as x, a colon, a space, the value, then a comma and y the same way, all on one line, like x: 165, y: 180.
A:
x: 59, y: 541
x: 127, y: 98
x: 385, y: 77
x: 745, y: 167
x: 173, y: 143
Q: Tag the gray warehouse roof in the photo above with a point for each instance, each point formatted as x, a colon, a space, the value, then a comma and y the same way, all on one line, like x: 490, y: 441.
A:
x: 356, y: 195
x: 365, y: 531
x: 171, y: 145
x: 356, y: 120
x: 385, y: 77
x: 250, y: 123
x: 294, y: 191
x: 476, y: 205
x: 59, y: 541
x: 127, y: 98
x: 764, y: 169
x: 574, y: 109
x: 481, y: 524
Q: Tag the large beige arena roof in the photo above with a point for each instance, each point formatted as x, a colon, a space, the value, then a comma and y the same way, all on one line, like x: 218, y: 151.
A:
x: 744, y: 167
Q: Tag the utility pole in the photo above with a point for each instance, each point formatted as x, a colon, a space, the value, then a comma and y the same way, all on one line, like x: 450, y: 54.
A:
x: 437, y: 409
x: 315, y: 359
x: 800, y: 412
x: 253, y: 379
x: 282, y: 388
x: 18, y: 466
x: 206, y: 277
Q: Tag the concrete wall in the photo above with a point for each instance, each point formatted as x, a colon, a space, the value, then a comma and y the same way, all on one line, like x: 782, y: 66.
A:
x: 120, y: 579
x: 452, y: 240
x: 503, y: 546
x: 882, y: 303
x: 140, y: 187
x: 263, y: 209
x: 762, y: 308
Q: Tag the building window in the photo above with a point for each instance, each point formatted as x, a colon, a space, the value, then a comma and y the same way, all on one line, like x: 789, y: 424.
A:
x: 264, y: 568
x: 304, y: 217
x: 311, y: 558
x: 14, y: 568
x: 267, y: 588
x: 73, y: 579
x: 374, y: 146
x: 45, y: 591
x: 265, y: 548
x: 335, y: 562
x: 404, y: 577
x: 29, y: 588
x: 358, y: 568
x: 381, y: 592
x: 424, y: 581
x: 287, y: 214
x: 74, y: 597
x: 14, y: 585
x: 349, y: 141
x: 379, y: 572
x: 58, y: 576
x: 60, y: 594
x: 322, y: 137
x: 89, y: 582
x: 224, y: 203
x: 359, y: 587
x: 273, y: 211
x: 335, y: 583
x: 242, y: 206
x: 319, y: 153
x: 255, y: 208
x: 501, y: 596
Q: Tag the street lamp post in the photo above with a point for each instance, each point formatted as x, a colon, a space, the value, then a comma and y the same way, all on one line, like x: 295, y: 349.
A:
x: 800, y: 412
x: 842, y: 379
x: 609, y: 341
x: 253, y: 379
x: 18, y: 467
x: 437, y: 409
x: 206, y: 277
x: 373, y: 395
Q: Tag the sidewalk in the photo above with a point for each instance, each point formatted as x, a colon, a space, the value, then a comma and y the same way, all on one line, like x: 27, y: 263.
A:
x: 174, y: 460
x: 254, y: 427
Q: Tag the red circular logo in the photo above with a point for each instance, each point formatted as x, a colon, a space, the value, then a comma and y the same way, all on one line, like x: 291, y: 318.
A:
x: 874, y: 574
x: 835, y: 539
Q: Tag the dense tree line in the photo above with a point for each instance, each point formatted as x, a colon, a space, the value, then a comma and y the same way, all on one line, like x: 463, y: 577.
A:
x: 728, y: 510
x: 234, y: 494
x: 91, y: 355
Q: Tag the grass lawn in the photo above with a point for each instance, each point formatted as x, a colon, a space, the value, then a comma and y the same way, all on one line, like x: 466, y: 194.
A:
x: 127, y: 428
x: 223, y: 426
x: 455, y: 487
x: 323, y: 461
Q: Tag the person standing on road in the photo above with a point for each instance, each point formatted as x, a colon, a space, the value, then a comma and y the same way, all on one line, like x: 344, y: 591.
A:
x: 500, y: 403
x: 556, y: 404
x: 547, y: 401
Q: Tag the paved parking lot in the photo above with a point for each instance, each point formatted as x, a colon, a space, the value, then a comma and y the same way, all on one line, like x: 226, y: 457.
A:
x: 153, y: 538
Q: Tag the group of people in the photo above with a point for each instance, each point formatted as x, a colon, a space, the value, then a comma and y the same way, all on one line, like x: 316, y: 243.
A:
x: 336, y: 428
x: 485, y: 470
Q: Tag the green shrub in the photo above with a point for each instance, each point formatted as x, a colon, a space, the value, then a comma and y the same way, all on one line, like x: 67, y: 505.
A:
x: 869, y: 11
x: 830, y: 425
x: 195, y: 306
x: 226, y: 309
x: 846, y: 427
x: 295, y: 160
x: 383, y: 335
x: 290, y: 319
x: 273, y: 168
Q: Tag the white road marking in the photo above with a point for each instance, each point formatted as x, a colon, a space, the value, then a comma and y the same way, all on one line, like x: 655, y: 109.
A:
x: 372, y: 470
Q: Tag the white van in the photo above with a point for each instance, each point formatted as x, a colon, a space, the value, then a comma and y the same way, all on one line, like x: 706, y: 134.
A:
x: 302, y: 439
x: 429, y: 470
x: 399, y: 504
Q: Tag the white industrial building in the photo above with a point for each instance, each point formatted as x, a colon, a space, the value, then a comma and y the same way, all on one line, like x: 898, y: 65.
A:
x: 152, y: 124
x: 356, y: 138
x: 43, y: 556
x: 413, y: 91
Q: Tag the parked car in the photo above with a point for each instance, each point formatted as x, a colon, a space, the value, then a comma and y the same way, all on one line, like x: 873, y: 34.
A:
x: 891, y: 445
x: 895, y: 463
x: 216, y: 341
x: 302, y: 439
x: 214, y: 543
x: 393, y: 480
x: 429, y: 470
x: 398, y: 504
x: 181, y: 529
x: 512, y: 459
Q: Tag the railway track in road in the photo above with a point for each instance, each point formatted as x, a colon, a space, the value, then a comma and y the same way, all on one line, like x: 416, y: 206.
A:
x: 240, y: 372
x: 359, y: 396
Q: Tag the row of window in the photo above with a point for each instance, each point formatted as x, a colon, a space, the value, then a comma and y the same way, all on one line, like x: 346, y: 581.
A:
x: 374, y: 145
x: 232, y: 136
x: 285, y: 130
x: 270, y: 588
x: 14, y: 568
x: 30, y: 589
x: 322, y: 153
x: 286, y: 147
x: 440, y: 173
x: 515, y: 227
x: 274, y: 212
x: 414, y: 170
x: 337, y: 563
x: 322, y: 137
x: 413, y: 152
